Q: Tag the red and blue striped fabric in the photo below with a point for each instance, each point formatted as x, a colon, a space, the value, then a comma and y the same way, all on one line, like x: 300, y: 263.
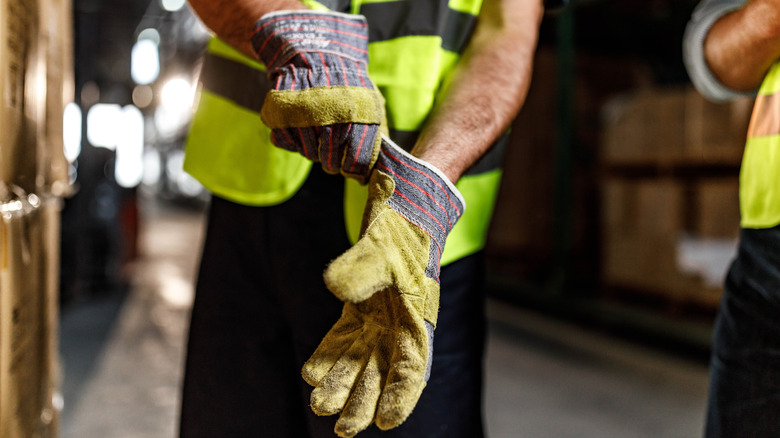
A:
x: 423, y: 196
x: 310, y: 49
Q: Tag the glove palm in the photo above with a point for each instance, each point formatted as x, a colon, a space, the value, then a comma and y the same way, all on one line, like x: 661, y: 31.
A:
x: 375, y: 361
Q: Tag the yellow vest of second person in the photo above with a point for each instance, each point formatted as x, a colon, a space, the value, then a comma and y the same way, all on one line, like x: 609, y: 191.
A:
x: 413, y: 47
x: 759, y: 180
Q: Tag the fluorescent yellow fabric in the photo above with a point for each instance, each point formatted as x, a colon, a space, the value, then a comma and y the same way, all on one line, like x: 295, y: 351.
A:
x: 225, y: 50
x: 314, y: 5
x: 467, y: 236
x: 467, y: 6
x: 771, y: 84
x: 247, y: 175
x: 759, y: 182
x: 227, y: 142
x: 470, y: 233
x: 409, y: 97
x: 221, y: 149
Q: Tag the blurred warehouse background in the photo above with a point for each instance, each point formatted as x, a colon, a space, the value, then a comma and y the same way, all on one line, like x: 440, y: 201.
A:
x: 136, y: 70
x: 621, y: 180
x: 615, y: 223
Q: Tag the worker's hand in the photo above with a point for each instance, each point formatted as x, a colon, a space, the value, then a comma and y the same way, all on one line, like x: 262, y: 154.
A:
x: 324, y: 105
x: 375, y: 361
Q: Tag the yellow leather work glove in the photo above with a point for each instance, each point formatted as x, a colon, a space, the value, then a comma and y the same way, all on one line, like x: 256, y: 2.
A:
x: 323, y: 105
x: 374, y: 363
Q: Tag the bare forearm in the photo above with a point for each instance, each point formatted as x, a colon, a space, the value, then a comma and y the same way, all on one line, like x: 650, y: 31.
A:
x: 234, y: 20
x: 487, y: 88
x: 741, y: 46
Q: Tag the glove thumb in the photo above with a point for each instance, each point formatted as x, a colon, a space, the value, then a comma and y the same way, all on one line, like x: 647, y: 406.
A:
x: 361, y: 271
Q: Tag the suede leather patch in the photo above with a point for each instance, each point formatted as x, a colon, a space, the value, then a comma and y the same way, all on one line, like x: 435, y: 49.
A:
x: 322, y: 106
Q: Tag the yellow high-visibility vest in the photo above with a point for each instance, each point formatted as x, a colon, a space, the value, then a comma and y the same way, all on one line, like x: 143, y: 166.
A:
x: 414, y: 45
x: 759, y: 179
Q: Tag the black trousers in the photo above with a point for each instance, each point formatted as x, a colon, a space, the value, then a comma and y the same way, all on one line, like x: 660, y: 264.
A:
x: 261, y: 309
x: 744, y: 398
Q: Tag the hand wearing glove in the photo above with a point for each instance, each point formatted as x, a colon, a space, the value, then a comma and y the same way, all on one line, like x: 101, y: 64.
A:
x: 324, y: 106
x: 376, y: 360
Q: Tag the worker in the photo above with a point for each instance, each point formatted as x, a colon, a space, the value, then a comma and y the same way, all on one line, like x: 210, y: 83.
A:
x: 732, y: 48
x: 332, y: 135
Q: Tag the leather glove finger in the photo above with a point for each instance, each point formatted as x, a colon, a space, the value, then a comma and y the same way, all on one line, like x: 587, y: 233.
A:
x: 340, y: 148
x: 360, y: 410
x: 332, y: 392
x: 338, y: 339
x: 409, y: 365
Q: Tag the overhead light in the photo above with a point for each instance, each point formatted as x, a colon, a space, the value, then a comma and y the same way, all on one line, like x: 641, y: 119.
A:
x: 71, y: 131
x: 150, y: 34
x: 175, y: 108
x: 172, y: 5
x: 152, y: 167
x: 145, y: 62
x: 121, y: 129
x: 103, y: 123
x: 129, y: 167
x: 178, y: 93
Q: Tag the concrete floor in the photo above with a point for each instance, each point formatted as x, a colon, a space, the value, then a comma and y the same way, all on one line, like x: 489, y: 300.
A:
x: 123, y: 352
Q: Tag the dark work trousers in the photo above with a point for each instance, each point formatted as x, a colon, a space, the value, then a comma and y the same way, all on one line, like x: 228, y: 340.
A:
x: 261, y: 308
x: 744, y: 399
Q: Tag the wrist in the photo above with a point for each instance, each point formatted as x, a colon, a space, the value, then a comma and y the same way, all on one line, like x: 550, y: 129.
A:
x: 449, y: 167
x: 451, y: 161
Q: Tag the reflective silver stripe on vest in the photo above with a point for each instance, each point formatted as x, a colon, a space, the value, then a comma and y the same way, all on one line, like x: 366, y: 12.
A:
x: 395, y: 19
x: 237, y: 82
x: 247, y: 87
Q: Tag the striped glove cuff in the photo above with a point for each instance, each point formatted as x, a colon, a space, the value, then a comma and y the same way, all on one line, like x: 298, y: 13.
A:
x: 305, y: 49
x: 423, y: 196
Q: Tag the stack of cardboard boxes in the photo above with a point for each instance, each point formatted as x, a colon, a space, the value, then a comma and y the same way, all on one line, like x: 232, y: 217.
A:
x: 670, y: 164
x: 35, y: 83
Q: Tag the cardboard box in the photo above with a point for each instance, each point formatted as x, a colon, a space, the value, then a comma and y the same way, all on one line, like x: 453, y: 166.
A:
x: 20, y: 320
x: 646, y: 206
x: 22, y: 92
x: 715, y: 133
x: 717, y: 208
x: 675, y: 126
x: 56, y: 33
x: 51, y: 380
x: 645, y: 128
x: 643, y: 222
x: 36, y: 80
